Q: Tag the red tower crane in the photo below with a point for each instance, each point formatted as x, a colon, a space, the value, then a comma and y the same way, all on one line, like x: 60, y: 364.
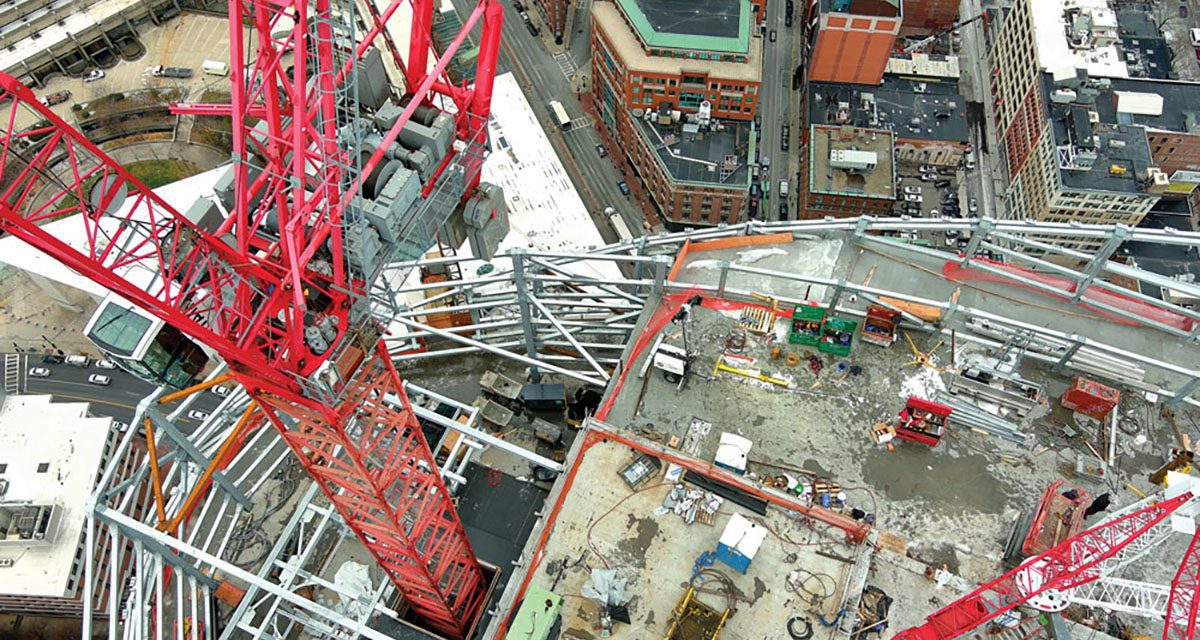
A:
x: 256, y: 297
x: 1041, y: 579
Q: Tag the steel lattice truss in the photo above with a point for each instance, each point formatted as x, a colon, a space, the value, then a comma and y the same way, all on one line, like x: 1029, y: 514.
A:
x: 254, y: 299
x: 1041, y: 579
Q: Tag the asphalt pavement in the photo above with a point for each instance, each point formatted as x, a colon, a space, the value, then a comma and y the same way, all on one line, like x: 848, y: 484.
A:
x: 544, y: 78
x: 775, y: 104
x: 118, y: 400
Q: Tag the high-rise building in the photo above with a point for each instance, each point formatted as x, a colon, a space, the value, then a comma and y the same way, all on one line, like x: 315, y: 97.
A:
x: 677, y: 95
x: 51, y: 455
x: 1068, y: 155
x: 850, y: 40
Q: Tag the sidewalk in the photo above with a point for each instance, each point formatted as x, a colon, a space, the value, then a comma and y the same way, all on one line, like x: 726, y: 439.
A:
x: 30, y: 320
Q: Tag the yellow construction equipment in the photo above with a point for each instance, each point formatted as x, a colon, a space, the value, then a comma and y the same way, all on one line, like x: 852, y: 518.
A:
x: 721, y: 366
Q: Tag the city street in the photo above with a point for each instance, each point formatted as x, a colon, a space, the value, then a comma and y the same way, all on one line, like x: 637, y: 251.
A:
x: 545, y: 78
x: 986, y: 180
x: 118, y: 400
x: 775, y: 105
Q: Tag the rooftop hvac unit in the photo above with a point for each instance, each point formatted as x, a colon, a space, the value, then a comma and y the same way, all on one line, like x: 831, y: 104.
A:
x: 853, y: 159
x: 7, y: 562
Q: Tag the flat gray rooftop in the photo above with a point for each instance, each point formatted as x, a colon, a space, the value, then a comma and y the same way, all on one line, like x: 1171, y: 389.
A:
x: 717, y: 18
x: 916, y: 109
x: 1118, y: 154
x: 1180, y: 109
x: 701, y: 156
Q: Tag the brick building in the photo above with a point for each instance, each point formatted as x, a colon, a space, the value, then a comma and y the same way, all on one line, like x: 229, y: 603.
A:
x: 554, y: 13
x: 847, y: 171
x: 850, y: 40
x: 677, y: 96
x: 922, y: 16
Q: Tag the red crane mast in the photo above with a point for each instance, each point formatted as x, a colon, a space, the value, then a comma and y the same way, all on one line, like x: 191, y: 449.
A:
x: 254, y: 297
x: 1072, y: 563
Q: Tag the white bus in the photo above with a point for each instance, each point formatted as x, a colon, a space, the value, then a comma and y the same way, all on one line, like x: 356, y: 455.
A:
x: 560, y: 114
x: 618, y: 224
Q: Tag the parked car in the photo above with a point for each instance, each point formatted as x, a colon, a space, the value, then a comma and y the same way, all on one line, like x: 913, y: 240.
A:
x: 93, y: 75
x: 220, y: 390
x: 39, y: 372
x: 913, y: 190
x: 120, y: 426
x: 969, y: 164
x: 601, y: 150
x: 772, y: 35
x: 912, y: 197
x: 51, y: 358
x: 785, y: 138
x: 518, y: 6
x: 623, y: 186
x: 783, y: 211
x: 82, y: 362
x: 928, y: 168
x: 196, y: 414
x: 929, y: 177
x: 100, y: 380
x: 941, y: 184
x: 973, y: 205
x: 58, y: 97
x: 106, y: 364
x: 951, y: 209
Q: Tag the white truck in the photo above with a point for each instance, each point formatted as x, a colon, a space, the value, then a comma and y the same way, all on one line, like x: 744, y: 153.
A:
x: 783, y: 188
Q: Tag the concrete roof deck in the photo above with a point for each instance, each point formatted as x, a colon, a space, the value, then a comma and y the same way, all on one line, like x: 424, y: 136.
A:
x: 878, y: 182
x: 954, y: 503
x: 626, y: 45
x: 603, y: 523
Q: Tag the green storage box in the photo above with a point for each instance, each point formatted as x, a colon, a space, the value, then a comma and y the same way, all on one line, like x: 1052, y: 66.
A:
x: 806, y: 325
x: 837, y: 336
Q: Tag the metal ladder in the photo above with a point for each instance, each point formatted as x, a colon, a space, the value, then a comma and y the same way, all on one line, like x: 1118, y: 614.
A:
x: 12, y: 374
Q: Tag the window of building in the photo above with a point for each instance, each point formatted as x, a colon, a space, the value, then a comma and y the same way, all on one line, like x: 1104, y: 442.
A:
x: 3, y: 468
x: 43, y: 467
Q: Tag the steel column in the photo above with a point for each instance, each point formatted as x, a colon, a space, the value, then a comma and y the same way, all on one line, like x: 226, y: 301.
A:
x: 1116, y: 236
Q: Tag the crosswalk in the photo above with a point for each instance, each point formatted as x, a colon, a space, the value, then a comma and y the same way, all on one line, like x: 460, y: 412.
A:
x: 582, y: 122
x: 12, y: 373
x: 566, y: 64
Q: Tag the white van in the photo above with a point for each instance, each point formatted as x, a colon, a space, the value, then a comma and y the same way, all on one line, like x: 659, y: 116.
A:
x: 78, y: 361
x: 214, y: 68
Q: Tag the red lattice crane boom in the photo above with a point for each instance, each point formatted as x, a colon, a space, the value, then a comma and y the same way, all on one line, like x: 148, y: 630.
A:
x: 1075, y: 562
x: 253, y: 296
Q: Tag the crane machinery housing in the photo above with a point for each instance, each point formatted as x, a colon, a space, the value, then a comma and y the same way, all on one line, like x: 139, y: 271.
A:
x: 334, y: 176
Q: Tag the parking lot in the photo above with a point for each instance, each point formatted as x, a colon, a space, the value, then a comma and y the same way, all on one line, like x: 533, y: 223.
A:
x: 928, y: 191
x: 186, y: 41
